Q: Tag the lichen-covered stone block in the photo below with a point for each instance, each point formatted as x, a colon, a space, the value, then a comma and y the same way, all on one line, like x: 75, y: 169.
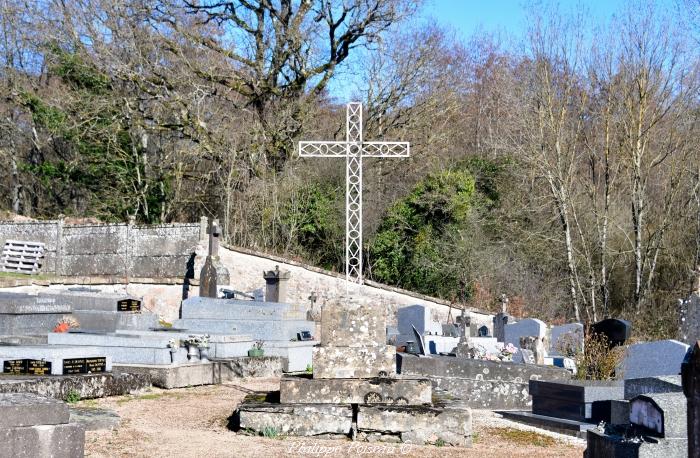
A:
x: 296, y: 390
x: 354, y: 362
x: 418, y: 425
x: 295, y: 420
x: 353, y: 325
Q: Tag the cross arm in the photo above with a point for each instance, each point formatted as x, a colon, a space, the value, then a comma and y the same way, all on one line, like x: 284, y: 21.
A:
x: 385, y: 149
x: 323, y: 149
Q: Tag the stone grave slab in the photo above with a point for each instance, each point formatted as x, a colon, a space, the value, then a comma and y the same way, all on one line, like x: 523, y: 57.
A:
x: 599, y: 443
x: 26, y: 314
x: 259, y: 411
x: 82, y: 299
x: 566, y: 339
x: 648, y: 385
x: 615, y: 330
x: 480, y: 384
x: 103, y: 321
x: 451, y: 426
x: 405, y: 391
x: 529, y: 327
x: 649, y: 359
x: 24, y: 409
x: 260, y: 320
x: 53, y: 360
x: 354, y: 362
x: 572, y: 399
x: 258, y: 329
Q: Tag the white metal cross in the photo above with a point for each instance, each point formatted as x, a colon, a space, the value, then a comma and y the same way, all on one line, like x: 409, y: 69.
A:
x: 353, y: 149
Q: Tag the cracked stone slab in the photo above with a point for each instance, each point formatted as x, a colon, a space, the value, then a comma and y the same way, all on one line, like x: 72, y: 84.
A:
x: 418, y: 424
x: 256, y: 415
x: 354, y: 362
x: 296, y: 390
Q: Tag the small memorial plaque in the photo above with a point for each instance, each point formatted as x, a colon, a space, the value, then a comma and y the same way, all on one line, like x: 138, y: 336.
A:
x: 74, y: 366
x: 95, y: 365
x: 129, y: 305
x: 14, y: 366
x: 38, y: 367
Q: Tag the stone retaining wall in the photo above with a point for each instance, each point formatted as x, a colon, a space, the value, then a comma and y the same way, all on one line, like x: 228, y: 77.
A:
x: 109, y: 250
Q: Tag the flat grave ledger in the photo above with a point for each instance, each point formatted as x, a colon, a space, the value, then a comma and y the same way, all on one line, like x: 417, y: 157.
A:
x: 260, y: 320
x: 480, y: 384
x: 53, y: 360
x: 94, y: 300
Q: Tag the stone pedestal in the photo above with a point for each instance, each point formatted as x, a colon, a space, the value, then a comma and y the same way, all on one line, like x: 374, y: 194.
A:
x: 276, y: 285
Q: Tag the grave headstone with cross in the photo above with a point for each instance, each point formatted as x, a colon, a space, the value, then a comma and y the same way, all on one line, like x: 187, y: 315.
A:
x: 214, y: 273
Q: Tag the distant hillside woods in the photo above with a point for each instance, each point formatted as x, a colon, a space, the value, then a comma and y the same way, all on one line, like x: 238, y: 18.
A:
x: 561, y: 170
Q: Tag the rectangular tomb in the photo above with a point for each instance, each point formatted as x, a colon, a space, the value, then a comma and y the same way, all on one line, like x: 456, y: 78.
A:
x: 572, y: 400
x: 90, y: 299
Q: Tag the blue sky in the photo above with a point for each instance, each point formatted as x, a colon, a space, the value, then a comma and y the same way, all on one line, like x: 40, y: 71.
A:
x: 468, y: 16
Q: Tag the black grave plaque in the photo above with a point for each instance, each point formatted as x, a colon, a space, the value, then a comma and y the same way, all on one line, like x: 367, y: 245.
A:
x: 95, y: 365
x: 74, y: 366
x: 38, y: 367
x: 14, y: 366
x: 129, y: 305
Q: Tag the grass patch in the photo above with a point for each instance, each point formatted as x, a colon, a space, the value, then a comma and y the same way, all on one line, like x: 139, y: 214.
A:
x: 15, y: 275
x: 72, y: 397
x: 520, y: 437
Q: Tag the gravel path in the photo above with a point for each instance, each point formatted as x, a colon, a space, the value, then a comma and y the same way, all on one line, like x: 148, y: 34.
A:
x: 192, y: 423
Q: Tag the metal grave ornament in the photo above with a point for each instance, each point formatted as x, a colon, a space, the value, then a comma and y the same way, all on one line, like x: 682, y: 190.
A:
x: 353, y: 149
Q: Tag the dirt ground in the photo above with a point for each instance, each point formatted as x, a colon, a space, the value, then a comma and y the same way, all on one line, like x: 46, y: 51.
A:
x: 192, y: 422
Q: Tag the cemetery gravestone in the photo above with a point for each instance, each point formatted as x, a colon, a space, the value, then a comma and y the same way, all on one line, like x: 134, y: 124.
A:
x: 276, y: 285
x: 499, y: 324
x: 615, y: 330
x: 526, y: 328
x: 691, y: 389
x: 214, y: 273
x: 567, y: 339
x: 649, y: 359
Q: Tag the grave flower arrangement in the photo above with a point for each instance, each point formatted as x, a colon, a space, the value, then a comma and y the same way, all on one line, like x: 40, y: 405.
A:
x: 65, y: 324
x: 257, y: 349
x: 507, y: 352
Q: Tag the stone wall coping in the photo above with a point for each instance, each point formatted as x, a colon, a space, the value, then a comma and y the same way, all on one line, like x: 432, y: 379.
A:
x: 370, y: 283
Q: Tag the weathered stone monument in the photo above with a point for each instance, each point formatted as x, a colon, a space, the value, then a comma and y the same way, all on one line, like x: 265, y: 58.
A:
x: 276, y: 285
x: 354, y: 390
x: 214, y: 273
x: 501, y: 319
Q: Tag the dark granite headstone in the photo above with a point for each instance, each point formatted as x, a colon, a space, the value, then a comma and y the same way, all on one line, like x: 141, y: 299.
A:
x: 615, y: 330
x: 483, y: 331
x: 690, y: 374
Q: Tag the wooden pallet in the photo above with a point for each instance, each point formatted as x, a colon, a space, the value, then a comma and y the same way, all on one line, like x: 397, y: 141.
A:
x: 21, y: 257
